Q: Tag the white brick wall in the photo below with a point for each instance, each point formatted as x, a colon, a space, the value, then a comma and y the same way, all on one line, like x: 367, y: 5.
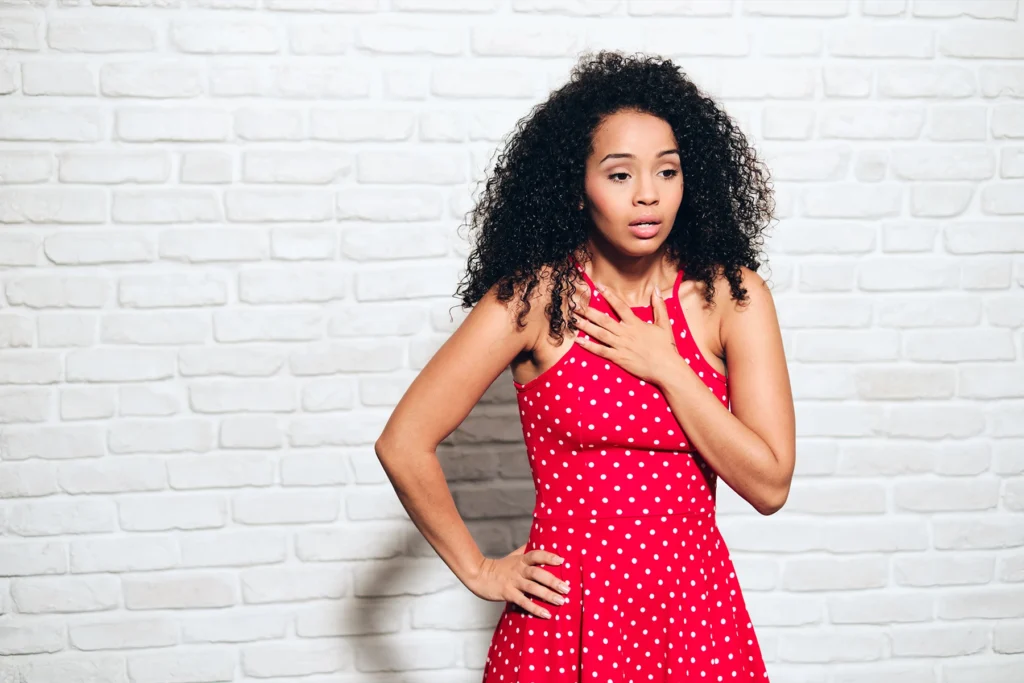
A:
x: 228, y: 243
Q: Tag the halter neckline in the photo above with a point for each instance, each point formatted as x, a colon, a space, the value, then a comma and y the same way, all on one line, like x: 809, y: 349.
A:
x: 594, y: 291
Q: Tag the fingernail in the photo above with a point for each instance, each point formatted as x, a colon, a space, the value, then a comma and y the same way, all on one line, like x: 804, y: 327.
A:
x: 559, y: 560
x: 546, y: 614
x: 599, y: 286
x: 564, y: 587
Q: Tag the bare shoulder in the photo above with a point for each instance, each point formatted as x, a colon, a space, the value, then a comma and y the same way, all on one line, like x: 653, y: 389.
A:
x: 758, y: 302
x: 456, y: 376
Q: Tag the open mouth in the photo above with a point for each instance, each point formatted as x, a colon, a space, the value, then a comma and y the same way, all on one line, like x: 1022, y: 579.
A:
x: 644, y: 230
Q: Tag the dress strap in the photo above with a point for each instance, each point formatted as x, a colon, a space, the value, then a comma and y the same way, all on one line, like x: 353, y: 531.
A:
x: 675, y: 285
x: 590, y: 283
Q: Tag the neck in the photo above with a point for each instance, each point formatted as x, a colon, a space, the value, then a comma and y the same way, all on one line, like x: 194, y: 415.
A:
x: 633, y: 278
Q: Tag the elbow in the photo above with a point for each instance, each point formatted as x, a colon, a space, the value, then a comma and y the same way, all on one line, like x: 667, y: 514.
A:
x: 774, y: 491
x: 383, y: 449
x: 772, y: 500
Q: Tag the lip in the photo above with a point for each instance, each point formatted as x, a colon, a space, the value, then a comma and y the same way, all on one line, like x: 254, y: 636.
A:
x: 645, y: 231
x: 648, y: 218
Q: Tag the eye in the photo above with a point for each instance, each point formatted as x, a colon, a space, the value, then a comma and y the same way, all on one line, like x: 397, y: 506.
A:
x: 613, y: 177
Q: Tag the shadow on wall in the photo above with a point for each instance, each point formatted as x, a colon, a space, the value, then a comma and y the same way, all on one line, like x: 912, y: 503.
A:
x: 488, y: 473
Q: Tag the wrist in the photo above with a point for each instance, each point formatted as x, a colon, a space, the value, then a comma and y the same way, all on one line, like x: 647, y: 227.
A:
x: 471, y: 572
x: 670, y: 370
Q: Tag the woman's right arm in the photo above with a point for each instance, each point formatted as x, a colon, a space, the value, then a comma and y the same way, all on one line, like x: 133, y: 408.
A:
x: 436, y: 402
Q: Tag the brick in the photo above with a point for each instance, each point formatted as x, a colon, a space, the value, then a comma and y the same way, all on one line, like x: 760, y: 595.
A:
x: 880, y: 608
x: 58, y: 79
x: 150, y: 400
x: 213, y: 244
x: 171, y: 290
x: 325, y: 655
x: 206, y: 168
x: 880, y: 41
x: 248, y: 627
x: 166, y: 206
x: 250, y: 432
x: 945, y: 569
x: 291, y: 507
x: 363, y: 619
x: 22, y: 33
x: 367, y: 540
x: 138, y: 553
x: 62, y: 595
x: 80, y: 35
x: 53, y: 205
x: 361, y: 125
x: 182, y: 124
x: 53, y: 442
x: 119, y: 365
x: 31, y: 639
x: 54, y: 291
x: 18, y: 167
x: 313, y: 470
x: 973, y: 533
x: 113, y: 167
x: 274, y: 584
x: 52, y: 123
x: 278, y: 285
x: 305, y: 167
x: 32, y: 558
x: 124, y: 633
x: 186, y: 512
x: 221, y: 471
x: 269, y: 123
x: 150, y: 79
x: 214, y: 37
x: 251, y: 361
x: 160, y: 436
x: 112, y: 476
x: 981, y: 42
x: 24, y: 405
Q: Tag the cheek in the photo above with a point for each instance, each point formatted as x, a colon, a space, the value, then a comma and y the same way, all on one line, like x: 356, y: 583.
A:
x: 605, y: 202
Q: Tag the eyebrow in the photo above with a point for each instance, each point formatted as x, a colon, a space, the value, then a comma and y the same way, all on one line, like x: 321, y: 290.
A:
x: 626, y: 155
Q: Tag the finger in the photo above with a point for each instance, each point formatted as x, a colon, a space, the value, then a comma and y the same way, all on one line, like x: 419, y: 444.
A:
x: 596, y: 331
x: 542, y: 592
x: 660, y: 309
x: 529, y: 605
x: 617, y: 304
x: 543, y: 557
x: 547, y: 579
x: 595, y: 348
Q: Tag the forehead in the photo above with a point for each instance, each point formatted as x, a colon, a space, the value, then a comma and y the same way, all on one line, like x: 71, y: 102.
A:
x: 633, y: 132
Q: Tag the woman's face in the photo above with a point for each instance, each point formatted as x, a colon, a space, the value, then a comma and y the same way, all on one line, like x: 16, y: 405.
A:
x: 634, y: 172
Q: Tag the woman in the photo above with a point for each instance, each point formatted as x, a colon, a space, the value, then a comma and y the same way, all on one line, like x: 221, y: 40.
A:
x: 628, y: 210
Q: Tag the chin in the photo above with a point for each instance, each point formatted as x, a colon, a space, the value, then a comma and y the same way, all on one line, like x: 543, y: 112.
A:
x: 640, y: 247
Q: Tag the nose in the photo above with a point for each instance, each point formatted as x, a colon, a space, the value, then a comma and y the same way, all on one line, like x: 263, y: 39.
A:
x: 646, y: 191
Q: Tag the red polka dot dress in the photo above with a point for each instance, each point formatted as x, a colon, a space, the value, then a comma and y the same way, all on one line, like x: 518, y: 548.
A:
x: 629, y: 504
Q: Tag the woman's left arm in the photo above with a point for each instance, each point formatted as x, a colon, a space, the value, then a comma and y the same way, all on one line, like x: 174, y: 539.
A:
x: 752, y: 448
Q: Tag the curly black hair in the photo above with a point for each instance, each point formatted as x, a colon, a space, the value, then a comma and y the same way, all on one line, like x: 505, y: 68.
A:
x: 527, y: 219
